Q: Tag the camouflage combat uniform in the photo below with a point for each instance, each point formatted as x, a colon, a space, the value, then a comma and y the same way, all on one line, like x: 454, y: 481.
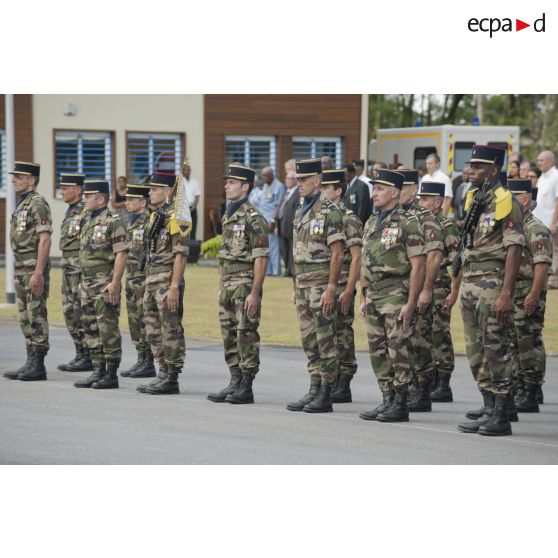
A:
x: 165, y: 331
x: 313, y: 233
x: 102, y: 237
x: 529, y: 351
x: 135, y: 280
x: 441, y: 331
x: 244, y: 238
x: 345, y: 334
x: 30, y: 218
x: 487, y: 341
x: 69, y: 246
x: 422, y: 339
x: 388, y: 247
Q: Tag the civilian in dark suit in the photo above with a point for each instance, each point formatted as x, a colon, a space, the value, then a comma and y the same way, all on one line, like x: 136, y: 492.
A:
x: 357, y: 198
x: 287, y: 212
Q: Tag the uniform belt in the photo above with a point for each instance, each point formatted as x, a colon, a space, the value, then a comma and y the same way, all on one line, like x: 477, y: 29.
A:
x: 487, y: 267
x: 375, y: 285
x: 26, y: 256
x: 151, y: 270
x: 96, y: 270
x: 230, y: 267
x: 70, y: 253
x: 309, y: 267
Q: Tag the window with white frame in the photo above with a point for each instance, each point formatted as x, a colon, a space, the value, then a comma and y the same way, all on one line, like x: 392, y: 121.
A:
x: 253, y: 151
x: 90, y: 153
x: 312, y: 147
x: 3, y: 183
x: 148, y: 153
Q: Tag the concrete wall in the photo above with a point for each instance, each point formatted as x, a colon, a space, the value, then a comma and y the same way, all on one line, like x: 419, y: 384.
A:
x: 118, y: 114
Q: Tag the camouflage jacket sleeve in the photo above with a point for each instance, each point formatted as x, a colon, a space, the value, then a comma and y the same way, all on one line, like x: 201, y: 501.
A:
x: 512, y: 226
x: 118, y: 235
x: 353, y: 230
x: 452, y: 237
x: 334, y: 227
x: 257, y: 234
x: 40, y: 214
x: 539, y: 242
x: 179, y: 241
x: 433, y: 236
x: 415, y: 238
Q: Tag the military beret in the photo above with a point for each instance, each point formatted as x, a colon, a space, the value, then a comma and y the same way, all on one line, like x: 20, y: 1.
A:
x: 333, y: 176
x: 28, y: 169
x: 432, y: 188
x: 71, y: 179
x: 96, y: 187
x: 389, y: 178
x: 240, y: 172
x: 308, y: 167
x: 488, y: 154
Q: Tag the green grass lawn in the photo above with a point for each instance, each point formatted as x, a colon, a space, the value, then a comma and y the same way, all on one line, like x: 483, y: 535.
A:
x: 278, y: 324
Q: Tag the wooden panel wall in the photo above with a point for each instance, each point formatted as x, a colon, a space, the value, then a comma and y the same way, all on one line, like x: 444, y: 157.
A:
x: 282, y: 116
x: 23, y: 123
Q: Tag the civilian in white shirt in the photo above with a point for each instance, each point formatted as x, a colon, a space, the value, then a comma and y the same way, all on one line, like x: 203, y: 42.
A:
x: 547, y: 206
x: 193, y: 193
x: 436, y: 175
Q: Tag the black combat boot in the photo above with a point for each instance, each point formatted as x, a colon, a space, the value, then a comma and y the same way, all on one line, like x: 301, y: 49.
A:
x: 421, y: 403
x: 110, y: 378
x: 529, y: 403
x: 397, y: 411
x: 322, y: 402
x: 159, y: 379
x: 342, y: 393
x: 136, y: 366
x: 473, y: 426
x: 36, y: 370
x: 310, y: 396
x: 79, y: 352
x: 219, y: 397
x: 511, y: 408
x: 373, y: 414
x: 168, y: 385
x: 15, y: 373
x: 499, y: 424
x: 442, y: 393
x: 243, y: 394
x: 99, y: 370
x: 84, y: 363
x: 540, y: 396
x: 147, y: 368
x: 520, y: 393
x: 476, y: 413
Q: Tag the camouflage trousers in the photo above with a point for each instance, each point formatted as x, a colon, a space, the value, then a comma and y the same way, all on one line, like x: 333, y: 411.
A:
x: 241, y: 339
x: 388, y: 344
x: 135, y: 291
x: 317, y: 331
x: 71, y: 305
x: 487, y: 342
x: 100, y: 321
x: 345, y: 335
x: 529, y: 355
x: 422, y: 347
x: 33, y: 317
x: 164, y: 328
x: 441, y: 333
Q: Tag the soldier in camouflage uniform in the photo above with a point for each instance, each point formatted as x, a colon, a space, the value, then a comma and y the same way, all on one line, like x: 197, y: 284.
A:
x: 71, y: 189
x: 422, y: 341
x: 137, y: 198
x: 318, y: 242
x: 392, y: 275
x: 164, y: 287
x: 243, y: 259
x: 334, y: 188
x: 102, y: 260
x: 489, y: 272
x: 30, y: 231
x: 432, y: 198
x: 530, y: 301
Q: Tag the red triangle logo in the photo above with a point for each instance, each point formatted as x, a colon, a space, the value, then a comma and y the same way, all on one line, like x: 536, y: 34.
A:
x: 519, y: 25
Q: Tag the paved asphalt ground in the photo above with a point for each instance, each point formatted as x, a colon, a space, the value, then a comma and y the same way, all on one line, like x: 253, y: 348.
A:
x: 54, y: 423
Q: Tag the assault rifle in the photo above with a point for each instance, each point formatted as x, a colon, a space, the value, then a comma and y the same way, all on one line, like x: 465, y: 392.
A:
x: 470, y: 225
x: 152, y: 234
